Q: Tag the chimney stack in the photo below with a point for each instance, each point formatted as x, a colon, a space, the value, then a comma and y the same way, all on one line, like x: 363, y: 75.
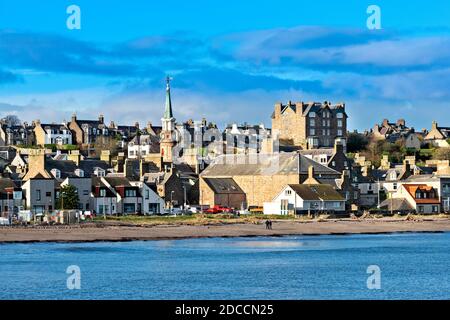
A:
x: 310, y: 172
x: 278, y: 107
x: 434, y: 125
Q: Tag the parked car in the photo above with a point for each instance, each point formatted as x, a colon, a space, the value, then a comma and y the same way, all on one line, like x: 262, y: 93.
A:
x: 226, y: 209
x: 255, y: 209
x: 214, y: 209
x: 219, y: 209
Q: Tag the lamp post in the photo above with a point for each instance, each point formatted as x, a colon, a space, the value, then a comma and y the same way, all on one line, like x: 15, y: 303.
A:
x: 378, y: 192
x: 9, y: 213
x: 171, y: 201
x: 103, y: 207
x: 184, y: 194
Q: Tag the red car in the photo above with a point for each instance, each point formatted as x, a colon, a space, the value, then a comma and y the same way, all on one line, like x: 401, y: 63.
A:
x: 218, y: 209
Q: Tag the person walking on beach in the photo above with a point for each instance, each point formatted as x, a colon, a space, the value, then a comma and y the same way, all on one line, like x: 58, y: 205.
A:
x: 270, y: 224
x: 267, y: 224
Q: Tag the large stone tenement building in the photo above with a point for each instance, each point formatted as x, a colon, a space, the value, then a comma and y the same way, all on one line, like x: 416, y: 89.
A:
x: 309, y: 125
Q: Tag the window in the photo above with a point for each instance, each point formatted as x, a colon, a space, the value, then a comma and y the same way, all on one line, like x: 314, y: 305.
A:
x: 394, y: 186
x: 129, y: 208
x: 340, y: 115
x: 85, y: 192
x: 38, y: 195
x: 102, y: 193
x: 421, y: 209
x: 312, y: 131
x: 312, y: 122
x: 102, y: 209
x: 48, y: 194
x: 56, y: 173
x: 434, y: 209
x: 312, y: 114
x: 324, y: 123
x: 339, y: 123
x: 288, y: 192
x: 147, y: 194
x: 130, y: 193
x: 153, y: 207
x: 99, y: 172
x: 339, y: 132
x: 79, y: 173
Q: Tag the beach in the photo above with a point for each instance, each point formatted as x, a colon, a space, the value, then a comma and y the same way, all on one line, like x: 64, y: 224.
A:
x: 128, y: 232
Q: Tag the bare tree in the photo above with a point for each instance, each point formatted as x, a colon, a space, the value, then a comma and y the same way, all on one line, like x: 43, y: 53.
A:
x: 11, y: 120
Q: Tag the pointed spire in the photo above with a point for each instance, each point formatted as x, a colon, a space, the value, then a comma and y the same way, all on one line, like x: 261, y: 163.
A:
x: 168, y: 110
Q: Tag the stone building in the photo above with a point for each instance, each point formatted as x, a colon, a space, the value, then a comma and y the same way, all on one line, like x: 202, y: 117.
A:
x: 85, y: 132
x: 13, y: 135
x: 52, y: 133
x: 309, y: 125
x: 438, y: 136
x: 261, y: 177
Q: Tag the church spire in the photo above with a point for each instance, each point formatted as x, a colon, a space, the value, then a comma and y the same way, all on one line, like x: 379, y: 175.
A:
x: 168, y: 110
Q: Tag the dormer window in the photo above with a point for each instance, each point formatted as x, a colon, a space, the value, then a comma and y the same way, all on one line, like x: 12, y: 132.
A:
x: 79, y: 173
x: 56, y: 173
x: 312, y: 115
x: 99, y: 172
x: 339, y: 115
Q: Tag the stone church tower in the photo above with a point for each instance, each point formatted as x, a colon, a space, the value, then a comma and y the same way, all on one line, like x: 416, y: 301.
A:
x: 168, y: 132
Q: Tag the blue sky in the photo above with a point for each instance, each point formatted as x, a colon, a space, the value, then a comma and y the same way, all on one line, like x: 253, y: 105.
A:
x: 231, y: 61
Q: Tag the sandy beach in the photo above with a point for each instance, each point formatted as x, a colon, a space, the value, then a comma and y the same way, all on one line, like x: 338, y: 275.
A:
x: 96, y: 232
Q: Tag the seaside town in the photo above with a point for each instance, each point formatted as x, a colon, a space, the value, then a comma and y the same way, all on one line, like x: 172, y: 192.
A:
x: 306, y: 164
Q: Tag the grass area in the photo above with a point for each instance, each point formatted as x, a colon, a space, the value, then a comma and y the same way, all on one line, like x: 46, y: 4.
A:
x: 214, y: 219
x: 194, y: 219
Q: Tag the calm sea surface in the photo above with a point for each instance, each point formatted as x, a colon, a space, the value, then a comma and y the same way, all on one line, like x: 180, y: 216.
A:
x: 413, y: 266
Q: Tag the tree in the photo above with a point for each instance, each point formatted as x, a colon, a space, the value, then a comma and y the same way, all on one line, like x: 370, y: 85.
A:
x: 68, y: 198
x: 11, y: 120
x: 441, y: 154
x: 356, y: 142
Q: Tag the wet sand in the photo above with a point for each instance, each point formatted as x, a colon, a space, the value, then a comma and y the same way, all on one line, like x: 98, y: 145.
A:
x: 163, y: 232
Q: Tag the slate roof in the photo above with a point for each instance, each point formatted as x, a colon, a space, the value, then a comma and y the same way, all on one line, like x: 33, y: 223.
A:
x: 54, y: 126
x: 97, y: 182
x: 223, y: 186
x: 319, y: 192
x: 68, y: 167
x: 264, y: 164
x: 312, y: 107
x: 316, y: 152
x: 118, y: 181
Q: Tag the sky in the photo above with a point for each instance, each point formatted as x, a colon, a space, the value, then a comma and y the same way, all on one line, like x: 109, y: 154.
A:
x: 230, y: 61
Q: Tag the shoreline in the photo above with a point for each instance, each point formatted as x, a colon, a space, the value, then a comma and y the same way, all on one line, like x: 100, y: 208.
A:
x: 127, y: 233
